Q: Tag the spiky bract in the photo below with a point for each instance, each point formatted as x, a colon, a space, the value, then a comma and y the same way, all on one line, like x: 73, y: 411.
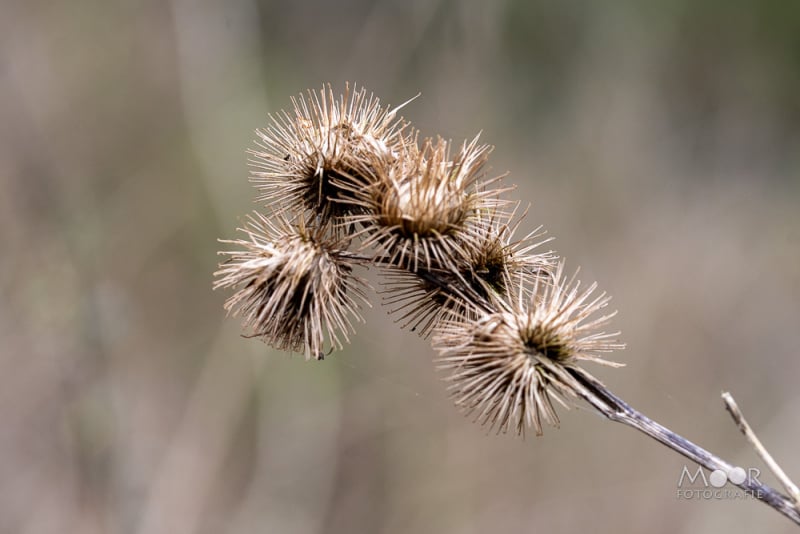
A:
x: 490, y: 269
x: 424, y: 209
x: 508, y: 366
x: 294, y: 288
x: 310, y: 160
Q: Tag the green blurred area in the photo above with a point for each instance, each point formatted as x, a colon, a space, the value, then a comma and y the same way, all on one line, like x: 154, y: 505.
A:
x: 658, y: 141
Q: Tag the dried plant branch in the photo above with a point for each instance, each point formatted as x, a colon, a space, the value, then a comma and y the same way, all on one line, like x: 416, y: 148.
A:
x: 347, y: 184
x: 615, y: 409
x: 741, y: 422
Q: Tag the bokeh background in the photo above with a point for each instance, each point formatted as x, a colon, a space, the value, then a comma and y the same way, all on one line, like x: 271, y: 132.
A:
x: 659, y: 141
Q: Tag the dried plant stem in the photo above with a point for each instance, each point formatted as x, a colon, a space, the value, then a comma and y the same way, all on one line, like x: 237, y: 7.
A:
x: 741, y: 422
x: 615, y: 409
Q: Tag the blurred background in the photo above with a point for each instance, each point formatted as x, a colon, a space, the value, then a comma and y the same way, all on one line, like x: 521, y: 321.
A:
x: 659, y: 142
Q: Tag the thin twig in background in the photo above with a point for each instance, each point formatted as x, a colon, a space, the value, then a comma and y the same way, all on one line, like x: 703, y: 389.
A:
x: 741, y: 422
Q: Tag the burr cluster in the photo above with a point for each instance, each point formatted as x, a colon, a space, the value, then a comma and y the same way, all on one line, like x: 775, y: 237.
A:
x: 346, y: 184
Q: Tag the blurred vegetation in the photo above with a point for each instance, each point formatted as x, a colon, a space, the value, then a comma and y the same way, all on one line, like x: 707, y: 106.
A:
x: 657, y: 140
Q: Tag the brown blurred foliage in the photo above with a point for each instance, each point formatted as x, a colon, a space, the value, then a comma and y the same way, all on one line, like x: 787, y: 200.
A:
x: 658, y: 141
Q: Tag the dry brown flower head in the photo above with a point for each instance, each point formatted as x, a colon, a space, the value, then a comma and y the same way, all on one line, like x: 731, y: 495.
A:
x: 309, y: 160
x: 489, y: 270
x: 423, y: 211
x: 507, y: 367
x: 293, y: 286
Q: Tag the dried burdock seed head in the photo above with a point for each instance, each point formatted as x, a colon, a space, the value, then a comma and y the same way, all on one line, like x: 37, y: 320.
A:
x: 423, y: 212
x: 498, y: 263
x: 422, y: 299
x: 310, y: 159
x: 294, y: 286
x: 506, y: 368
x: 491, y: 269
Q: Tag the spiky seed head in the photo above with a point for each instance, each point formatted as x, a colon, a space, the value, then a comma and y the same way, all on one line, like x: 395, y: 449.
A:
x: 421, y: 300
x: 492, y: 269
x: 498, y: 263
x: 422, y: 212
x: 507, y: 368
x: 294, y: 287
x: 311, y: 159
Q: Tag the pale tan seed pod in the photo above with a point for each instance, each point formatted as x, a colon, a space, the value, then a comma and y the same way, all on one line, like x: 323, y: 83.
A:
x: 491, y: 269
x: 502, y: 264
x: 294, y: 286
x: 507, y: 367
x: 308, y: 160
x: 423, y: 211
